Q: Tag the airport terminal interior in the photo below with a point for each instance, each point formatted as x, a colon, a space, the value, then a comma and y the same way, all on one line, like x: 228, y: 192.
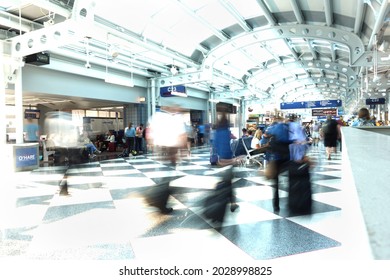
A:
x: 100, y: 65
x: 105, y: 216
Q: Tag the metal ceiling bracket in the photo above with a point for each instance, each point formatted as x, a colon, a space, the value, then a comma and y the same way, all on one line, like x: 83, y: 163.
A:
x: 188, y: 78
x: 346, y: 71
x: 367, y: 59
x: 64, y: 33
x: 47, y: 38
x: 313, y: 80
x: 337, y: 36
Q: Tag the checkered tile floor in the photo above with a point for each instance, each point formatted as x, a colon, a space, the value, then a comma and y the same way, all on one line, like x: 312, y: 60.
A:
x: 105, y: 217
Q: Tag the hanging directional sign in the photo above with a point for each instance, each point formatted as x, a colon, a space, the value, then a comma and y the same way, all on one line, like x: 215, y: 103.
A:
x: 324, y: 103
x: 311, y: 104
x: 324, y: 112
x: 293, y: 105
x: 375, y: 101
x: 178, y: 90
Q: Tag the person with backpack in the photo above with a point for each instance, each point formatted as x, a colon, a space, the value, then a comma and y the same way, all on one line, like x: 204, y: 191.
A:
x: 279, y: 155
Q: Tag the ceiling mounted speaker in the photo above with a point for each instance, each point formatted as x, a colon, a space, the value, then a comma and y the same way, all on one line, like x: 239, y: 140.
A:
x: 38, y: 58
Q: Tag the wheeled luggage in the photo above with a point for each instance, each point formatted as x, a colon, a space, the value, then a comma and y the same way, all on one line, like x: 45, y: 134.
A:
x: 300, y: 193
x: 157, y: 195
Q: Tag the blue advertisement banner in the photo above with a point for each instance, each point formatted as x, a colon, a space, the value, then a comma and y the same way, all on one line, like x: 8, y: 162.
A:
x: 311, y: 104
x: 26, y: 157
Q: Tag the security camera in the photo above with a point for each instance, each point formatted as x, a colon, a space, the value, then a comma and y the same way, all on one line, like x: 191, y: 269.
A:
x: 87, y: 65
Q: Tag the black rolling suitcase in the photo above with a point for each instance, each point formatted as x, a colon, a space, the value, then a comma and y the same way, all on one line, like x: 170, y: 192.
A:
x: 215, y: 204
x: 157, y: 196
x: 300, y: 193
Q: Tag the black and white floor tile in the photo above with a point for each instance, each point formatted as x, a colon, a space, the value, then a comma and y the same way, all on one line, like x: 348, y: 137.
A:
x: 105, y: 216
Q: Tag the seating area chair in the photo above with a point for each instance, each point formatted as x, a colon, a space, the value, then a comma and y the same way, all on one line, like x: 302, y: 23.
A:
x: 45, y: 150
x: 249, y: 156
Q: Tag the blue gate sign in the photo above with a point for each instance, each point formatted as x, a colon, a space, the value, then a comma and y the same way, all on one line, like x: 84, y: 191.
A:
x: 324, y: 103
x: 311, y: 104
x: 375, y: 101
x: 293, y: 105
x: 178, y: 90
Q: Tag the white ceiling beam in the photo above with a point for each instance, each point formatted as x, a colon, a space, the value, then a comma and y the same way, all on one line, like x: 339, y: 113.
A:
x: 220, y: 34
x: 15, y: 22
x: 233, y: 11
x: 379, y: 22
x: 328, y: 12
x: 360, y: 12
x: 268, y: 15
x: 297, y: 11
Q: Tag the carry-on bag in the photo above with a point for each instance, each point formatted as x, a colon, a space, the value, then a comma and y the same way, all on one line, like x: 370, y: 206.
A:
x: 300, y: 192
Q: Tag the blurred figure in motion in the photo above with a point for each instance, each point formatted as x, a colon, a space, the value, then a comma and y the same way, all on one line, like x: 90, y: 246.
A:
x: 168, y: 133
x: 221, y: 143
x: 279, y: 155
x: 64, y: 139
x: 331, y: 133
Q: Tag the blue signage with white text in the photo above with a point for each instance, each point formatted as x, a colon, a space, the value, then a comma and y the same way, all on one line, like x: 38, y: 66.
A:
x: 26, y: 157
x: 311, y: 104
x: 375, y: 101
x: 172, y: 91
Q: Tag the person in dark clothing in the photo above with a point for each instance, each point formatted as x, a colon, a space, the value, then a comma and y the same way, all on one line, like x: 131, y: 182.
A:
x: 139, y: 138
x: 130, y: 138
x: 278, y: 157
x: 221, y: 144
x: 331, y: 133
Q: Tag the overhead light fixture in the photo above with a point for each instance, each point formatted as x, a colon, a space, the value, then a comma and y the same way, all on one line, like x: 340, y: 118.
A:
x: 119, y: 81
x: 176, y: 93
x: 386, y: 58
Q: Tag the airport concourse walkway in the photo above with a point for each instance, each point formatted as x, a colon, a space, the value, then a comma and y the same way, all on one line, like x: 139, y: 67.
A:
x: 105, y: 216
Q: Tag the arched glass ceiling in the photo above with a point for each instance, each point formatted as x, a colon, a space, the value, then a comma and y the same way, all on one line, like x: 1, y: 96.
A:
x: 248, y: 48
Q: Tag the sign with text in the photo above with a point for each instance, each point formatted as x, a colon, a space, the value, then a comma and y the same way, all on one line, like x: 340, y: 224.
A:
x: 226, y: 108
x: 324, y: 112
x: 173, y: 91
x: 375, y: 101
x: 26, y: 157
x: 311, y: 104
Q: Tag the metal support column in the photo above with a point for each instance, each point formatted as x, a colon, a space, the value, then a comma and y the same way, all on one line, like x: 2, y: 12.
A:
x: 3, y: 129
x: 19, y: 106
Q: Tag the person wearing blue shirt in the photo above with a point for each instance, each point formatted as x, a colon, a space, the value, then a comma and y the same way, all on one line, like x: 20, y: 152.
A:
x: 363, y: 118
x: 130, y: 137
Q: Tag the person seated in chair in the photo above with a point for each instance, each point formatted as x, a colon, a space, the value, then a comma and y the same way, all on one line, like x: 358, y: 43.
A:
x: 111, y: 143
x: 91, y: 148
x: 255, y: 143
